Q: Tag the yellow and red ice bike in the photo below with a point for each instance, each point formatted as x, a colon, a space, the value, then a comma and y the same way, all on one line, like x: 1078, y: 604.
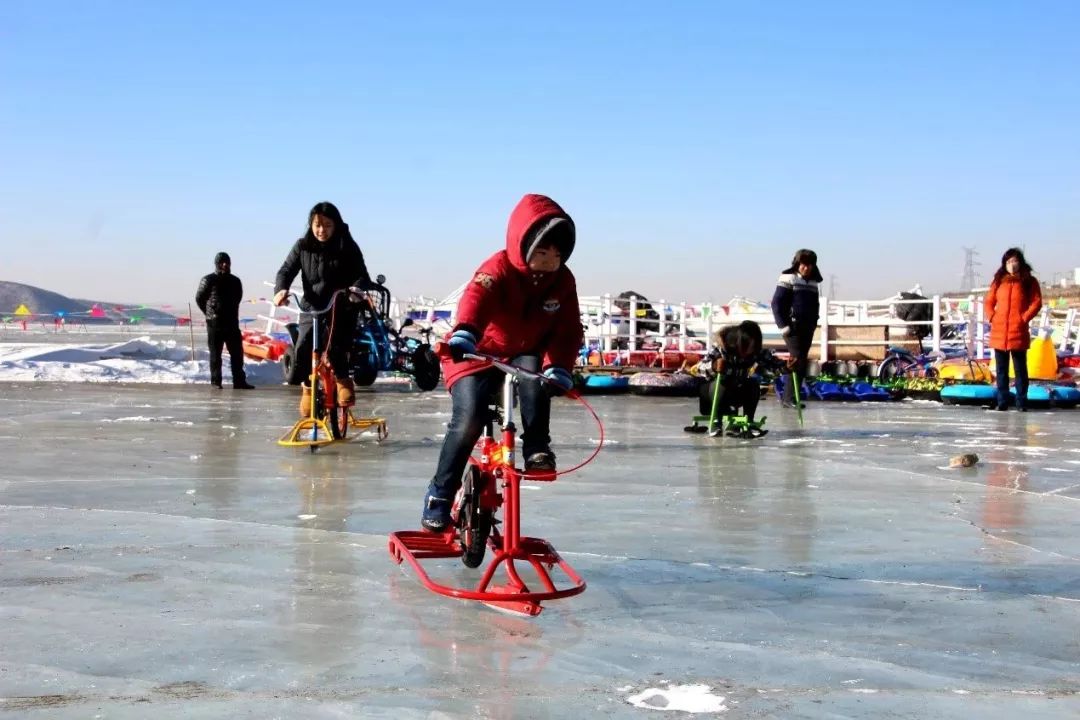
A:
x: 328, y: 420
x: 491, y: 483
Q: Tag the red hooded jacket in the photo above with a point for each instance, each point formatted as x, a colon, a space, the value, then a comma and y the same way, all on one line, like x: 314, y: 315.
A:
x: 514, y: 311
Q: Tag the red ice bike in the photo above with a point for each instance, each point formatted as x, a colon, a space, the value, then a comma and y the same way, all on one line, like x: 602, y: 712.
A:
x: 492, y: 483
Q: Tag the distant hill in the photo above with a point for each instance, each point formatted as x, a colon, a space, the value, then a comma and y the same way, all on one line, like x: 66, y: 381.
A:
x: 47, y: 302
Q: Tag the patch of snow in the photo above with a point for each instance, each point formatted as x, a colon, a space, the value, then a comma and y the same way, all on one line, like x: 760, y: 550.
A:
x: 680, y: 698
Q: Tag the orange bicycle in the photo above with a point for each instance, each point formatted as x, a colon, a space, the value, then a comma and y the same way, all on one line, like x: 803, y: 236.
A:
x: 328, y: 420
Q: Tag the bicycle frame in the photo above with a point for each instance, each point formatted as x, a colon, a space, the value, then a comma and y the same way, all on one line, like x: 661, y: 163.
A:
x: 321, y: 372
x: 501, y: 488
x: 908, y: 364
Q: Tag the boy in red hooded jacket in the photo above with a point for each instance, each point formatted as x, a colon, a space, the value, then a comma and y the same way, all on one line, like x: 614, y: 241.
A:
x: 522, y: 307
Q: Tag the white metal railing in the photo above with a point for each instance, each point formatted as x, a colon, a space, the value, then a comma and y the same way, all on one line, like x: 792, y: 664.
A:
x: 616, y: 324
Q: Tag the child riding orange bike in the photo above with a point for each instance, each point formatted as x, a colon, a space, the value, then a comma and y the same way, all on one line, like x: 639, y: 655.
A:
x: 520, y: 306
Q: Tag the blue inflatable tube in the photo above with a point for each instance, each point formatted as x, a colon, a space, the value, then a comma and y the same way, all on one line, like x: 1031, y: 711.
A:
x: 824, y: 390
x: 600, y: 384
x: 1039, y: 395
x: 1062, y: 396
x: 781, y: 380
x: 968, y: 394
x: 866, y: 392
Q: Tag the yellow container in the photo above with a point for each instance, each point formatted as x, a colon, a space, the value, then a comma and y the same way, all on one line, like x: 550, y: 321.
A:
x: 962, y: 370
x: 1041, y: 360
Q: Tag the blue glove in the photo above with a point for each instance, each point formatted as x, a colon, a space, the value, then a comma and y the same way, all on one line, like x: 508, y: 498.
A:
x: 461, y: 343
x: 561, y: 381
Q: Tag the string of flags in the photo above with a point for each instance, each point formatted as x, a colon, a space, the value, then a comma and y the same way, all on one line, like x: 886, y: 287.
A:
x: 124, y: 314
x: 127, y: 314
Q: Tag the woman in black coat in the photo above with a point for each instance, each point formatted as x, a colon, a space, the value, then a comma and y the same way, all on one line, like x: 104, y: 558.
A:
x: 327, y: 259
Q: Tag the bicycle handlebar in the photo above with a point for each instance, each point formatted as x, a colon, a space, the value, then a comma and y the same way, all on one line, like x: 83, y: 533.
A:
x: 442, y: 350
x: 518, y: 372
x: 329, y: 305
x: 505, y: 367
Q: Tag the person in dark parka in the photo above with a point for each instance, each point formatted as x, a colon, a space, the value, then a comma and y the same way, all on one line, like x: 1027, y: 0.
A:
x: 795, y: 307
x: 218, y: 297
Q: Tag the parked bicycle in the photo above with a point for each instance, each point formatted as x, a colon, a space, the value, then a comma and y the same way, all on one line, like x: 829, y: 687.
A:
x: 377, y: 346
x: 901, y: 363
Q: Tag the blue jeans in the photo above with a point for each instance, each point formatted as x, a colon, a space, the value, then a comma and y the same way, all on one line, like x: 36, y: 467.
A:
x: 1019, y: 363
x: 470, y: 396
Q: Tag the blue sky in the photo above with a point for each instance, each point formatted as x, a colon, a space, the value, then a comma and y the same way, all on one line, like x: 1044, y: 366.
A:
x: 697, y: 144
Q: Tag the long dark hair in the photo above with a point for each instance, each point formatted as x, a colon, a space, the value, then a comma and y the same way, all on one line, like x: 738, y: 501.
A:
x: 743, y: 339
x: 326, y: 209
x: 1025, y: 269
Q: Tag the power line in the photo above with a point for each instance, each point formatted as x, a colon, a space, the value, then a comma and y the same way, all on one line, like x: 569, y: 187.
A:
x: 967, y: 279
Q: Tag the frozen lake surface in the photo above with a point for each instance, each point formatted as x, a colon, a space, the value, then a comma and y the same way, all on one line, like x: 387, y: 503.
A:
x: 161, y: 556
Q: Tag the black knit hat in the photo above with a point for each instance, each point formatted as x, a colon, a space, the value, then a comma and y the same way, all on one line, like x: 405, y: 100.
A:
x: 557, y: 231
x: 222, y: 258
x: 808, y: 257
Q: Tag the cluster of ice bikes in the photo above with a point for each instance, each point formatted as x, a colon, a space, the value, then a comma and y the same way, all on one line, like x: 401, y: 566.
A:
x: 486, y: 513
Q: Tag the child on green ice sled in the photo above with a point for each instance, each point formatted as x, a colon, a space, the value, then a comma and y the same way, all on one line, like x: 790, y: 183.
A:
x: 732, y: 382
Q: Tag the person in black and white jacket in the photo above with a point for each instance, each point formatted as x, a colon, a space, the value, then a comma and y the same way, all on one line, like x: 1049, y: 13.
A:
x: 795, y: 307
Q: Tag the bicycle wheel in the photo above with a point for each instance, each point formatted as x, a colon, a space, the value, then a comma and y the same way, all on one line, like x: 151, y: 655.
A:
x: 363, y: 372
x: 894, y: 367
x: 426, y: 369
x: 295, y: 365
x: 338, y: 420
x: 473, y: 522
x: 336, y: 417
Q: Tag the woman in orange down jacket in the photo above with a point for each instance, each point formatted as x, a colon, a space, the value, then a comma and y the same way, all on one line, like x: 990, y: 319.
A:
x: 1012, y: 302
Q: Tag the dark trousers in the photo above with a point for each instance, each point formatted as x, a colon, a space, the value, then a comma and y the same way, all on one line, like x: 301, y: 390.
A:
x: 1019, y: 363
x: 798, y: 343
x: 470, y: 397
x: 338, y: 326
x: 229, y: 337
x: 733, y: 395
